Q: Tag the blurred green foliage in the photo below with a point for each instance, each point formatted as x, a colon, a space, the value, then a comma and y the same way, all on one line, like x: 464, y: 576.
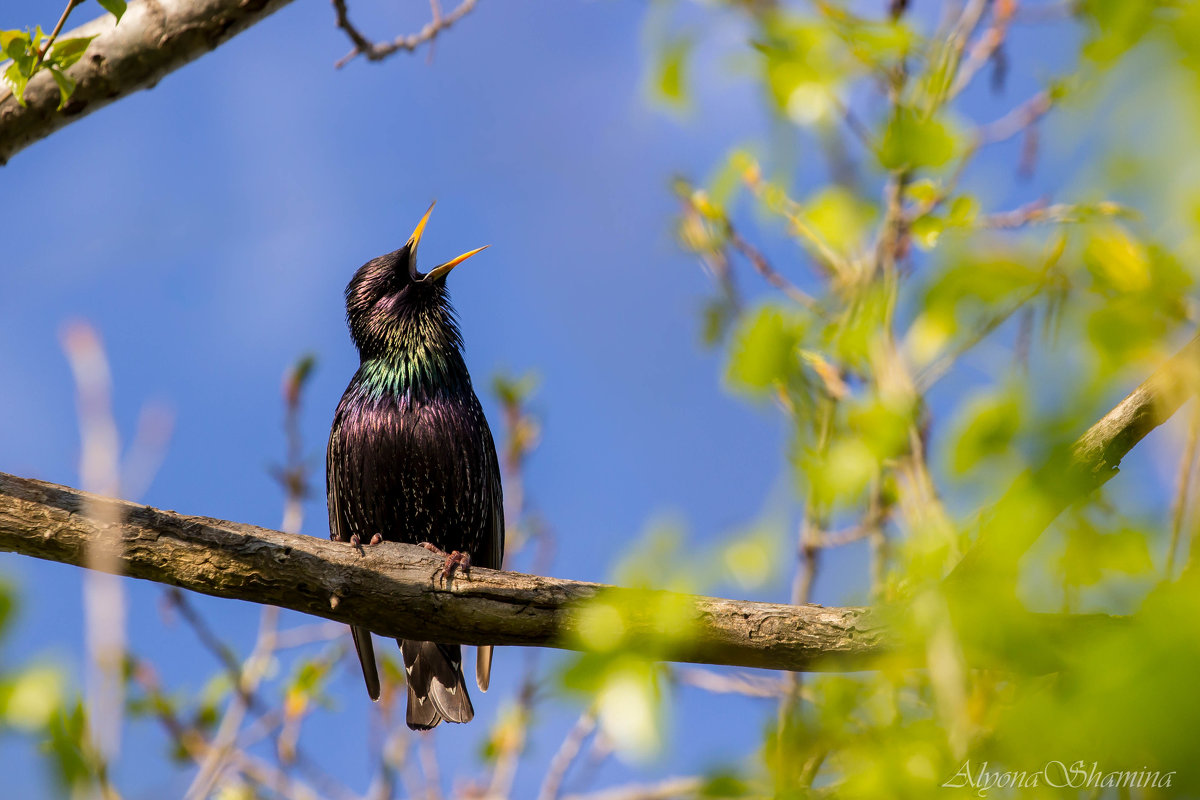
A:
x: 932, y: 355
x: 932, y: 352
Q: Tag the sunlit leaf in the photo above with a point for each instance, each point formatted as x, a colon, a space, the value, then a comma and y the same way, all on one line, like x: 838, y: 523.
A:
x: 671, y: 83
x: 764, y: 349
x: 34, y: 696
x: 66, y: 86
x: 1117, y: 259
x: 114, y: 7
x: 67, y: 51
x: 15, y: 81
x: 989, y: 425
x: 913, y: 141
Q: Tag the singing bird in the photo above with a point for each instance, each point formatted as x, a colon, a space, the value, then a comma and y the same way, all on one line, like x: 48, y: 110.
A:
x: 411, y: 457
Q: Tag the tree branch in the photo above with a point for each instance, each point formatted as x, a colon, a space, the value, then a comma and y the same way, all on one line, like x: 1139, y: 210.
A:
x: 394, y: 589
x: 1036, y: 499
x: 377, y: 51
x: 154, y: 38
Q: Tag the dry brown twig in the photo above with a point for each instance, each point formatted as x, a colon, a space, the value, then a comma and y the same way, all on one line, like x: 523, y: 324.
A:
x: 986, y: 47
x: 566, y: 755
x: 377, y: 51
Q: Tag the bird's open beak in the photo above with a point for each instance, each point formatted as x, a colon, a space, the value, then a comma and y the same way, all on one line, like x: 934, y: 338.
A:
x: 444, y: 269
x: 415, y: 239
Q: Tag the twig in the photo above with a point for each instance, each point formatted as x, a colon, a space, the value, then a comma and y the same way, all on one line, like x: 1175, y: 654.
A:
x: 987, y: 45
x: 827, y: 258
x: 103, y: 593
x: 1014, y: 523
x: 1183, y: 483
x: 1016, y: 120
x: 692, y: 201
x: 429, y: 767
x: 734, y: 683
x: 192, y: 742
x: 45, y: 48
x: 293, y: 476
x: 179, y: 602
x: 1038, y: 213
x: 566, y: 754
x: 311, y: 633
x: 375, y: 51
x: 764, y: 268
x: 224, y: 745
x: 937, y: 369
x: 669, y: 789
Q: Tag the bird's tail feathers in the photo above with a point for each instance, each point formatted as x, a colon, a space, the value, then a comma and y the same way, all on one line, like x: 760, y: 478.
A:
x: 483, y: 666
x: 366, y: 657
x: 436, y: 689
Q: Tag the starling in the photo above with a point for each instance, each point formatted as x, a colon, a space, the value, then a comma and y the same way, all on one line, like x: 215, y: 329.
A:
x: 411, y: 458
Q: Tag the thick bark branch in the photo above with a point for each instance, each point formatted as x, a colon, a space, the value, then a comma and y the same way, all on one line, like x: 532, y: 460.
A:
x: 153, y: 38
x: 395, y: 589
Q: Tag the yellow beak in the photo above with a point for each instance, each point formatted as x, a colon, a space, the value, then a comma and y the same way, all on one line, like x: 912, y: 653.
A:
x: 444, y: 269
x: 415, y: 239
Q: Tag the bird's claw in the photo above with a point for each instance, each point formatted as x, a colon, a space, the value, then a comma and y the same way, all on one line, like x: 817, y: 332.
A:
x: 454, y: 560
x: 356, y: 541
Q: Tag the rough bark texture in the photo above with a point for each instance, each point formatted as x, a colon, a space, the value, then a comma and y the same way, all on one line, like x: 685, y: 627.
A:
x: 153, y: 38
x: 395, y: 589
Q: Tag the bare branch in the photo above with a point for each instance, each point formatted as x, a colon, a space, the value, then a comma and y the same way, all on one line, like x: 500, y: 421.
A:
x: 375, y: 51
x: 154, y: 38
x: 568, y: 751
x: 669, y: 789
x: 1014, y: 523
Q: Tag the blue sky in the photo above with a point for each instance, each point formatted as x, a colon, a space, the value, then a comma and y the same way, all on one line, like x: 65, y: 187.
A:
x: 208, y: 227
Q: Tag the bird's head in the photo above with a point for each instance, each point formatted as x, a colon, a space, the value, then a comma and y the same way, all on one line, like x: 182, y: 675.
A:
x: 390, y: 304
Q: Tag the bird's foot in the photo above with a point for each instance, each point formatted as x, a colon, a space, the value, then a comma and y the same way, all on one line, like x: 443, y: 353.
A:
x: 356, y: 541
x: 454, y: 560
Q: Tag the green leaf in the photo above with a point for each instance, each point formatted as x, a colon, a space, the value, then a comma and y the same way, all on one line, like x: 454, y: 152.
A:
x: 67, y: 51
x: 66, y: 744
x: 913, y: 141
x: 841, y: 217
x: 1117, y: 26
x: 990, y: 424
x: 963, y: 210
x: 66, y: 86
x: 671, y: 73
x: 114, y: 7
x: 1117, y: 260
x: 926, y: 230
x: 14, y: 42
x: 19, y: 47
x: 1091, y: 553
x: 764, y: 351
x: 923, y: 191
x: 15, y: 80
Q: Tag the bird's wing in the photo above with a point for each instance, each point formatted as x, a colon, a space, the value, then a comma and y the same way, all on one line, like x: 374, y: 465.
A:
x: 338, y: 532
x: 494, y: 491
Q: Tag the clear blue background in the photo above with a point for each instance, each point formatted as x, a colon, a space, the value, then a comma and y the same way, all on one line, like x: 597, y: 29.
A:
x: 208, y: 227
